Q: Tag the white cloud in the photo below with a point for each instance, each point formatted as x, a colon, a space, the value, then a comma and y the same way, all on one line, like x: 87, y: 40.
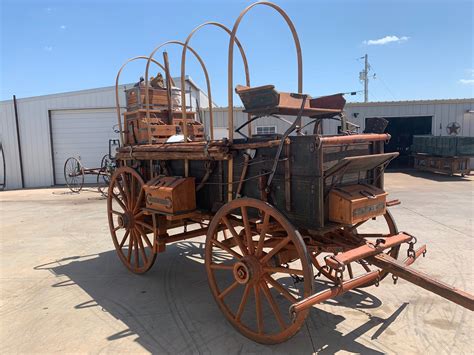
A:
x: 48, y: 48
x: 466, y: 81
x: 63, y: 27
x: 385, y: 40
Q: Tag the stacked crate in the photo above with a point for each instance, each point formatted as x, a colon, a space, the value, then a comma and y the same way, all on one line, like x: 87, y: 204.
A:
x: 156, y: 127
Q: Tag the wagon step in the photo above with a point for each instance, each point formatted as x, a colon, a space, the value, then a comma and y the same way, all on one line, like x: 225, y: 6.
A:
x: 338, y: 261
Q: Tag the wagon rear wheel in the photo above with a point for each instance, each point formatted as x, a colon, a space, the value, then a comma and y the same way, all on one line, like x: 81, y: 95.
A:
x: 253, y: 268
x: 74, y: 174
x: 132, y: 232
x: 383, y: 226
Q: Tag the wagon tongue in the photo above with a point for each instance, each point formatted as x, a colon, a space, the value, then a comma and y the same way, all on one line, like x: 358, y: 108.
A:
x: 373, y: 254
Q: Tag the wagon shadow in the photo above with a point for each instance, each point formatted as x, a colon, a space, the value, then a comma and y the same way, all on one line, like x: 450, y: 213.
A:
x: 171, y: 310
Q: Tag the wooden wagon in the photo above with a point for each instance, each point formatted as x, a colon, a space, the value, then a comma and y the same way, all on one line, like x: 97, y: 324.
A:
x: 277, y: 211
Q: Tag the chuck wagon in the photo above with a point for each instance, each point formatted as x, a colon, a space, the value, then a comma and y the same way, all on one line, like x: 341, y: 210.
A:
x: 277, y: 211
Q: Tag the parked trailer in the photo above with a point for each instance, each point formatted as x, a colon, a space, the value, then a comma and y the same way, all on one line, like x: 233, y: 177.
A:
x: 277, y: 211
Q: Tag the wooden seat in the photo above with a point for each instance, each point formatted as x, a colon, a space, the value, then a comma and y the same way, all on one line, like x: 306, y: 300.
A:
x: 265, y: 100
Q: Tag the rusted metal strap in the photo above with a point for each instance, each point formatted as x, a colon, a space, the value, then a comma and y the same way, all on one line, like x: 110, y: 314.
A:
x: 423, y: 280
x: 332, y: 292
x: 339, y: 261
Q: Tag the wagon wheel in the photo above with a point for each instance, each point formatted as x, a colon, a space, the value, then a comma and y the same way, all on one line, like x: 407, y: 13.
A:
x: 107, y: 167
x: 74, y: 174
x: 252, y: 288
x: 128, y: 226
x: 352, y: 236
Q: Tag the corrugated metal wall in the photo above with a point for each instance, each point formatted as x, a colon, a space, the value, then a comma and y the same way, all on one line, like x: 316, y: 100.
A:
x: 33, y: 115
x: 443, y: 112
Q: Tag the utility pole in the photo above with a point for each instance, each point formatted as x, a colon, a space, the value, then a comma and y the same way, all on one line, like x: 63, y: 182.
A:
x: 364, y: 76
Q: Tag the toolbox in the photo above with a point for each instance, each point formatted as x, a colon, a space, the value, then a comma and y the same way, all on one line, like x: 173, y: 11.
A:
x: 171, y: 194
x: 355, y: 203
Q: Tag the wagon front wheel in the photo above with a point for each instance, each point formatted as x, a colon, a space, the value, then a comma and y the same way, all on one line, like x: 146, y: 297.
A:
x: 257, y: 269
x: 131, y: 230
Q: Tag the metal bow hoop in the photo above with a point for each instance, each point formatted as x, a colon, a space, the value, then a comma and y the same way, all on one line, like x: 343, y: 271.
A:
x: 183, y: 72
x: 147, y: 98
x: 230, y: 68
x: 117, y: 102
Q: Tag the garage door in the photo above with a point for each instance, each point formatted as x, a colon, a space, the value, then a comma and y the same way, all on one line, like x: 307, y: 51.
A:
x: 83, y: 133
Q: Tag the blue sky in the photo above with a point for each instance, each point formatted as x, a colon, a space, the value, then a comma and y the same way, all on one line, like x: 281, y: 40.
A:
x: 417, y: 49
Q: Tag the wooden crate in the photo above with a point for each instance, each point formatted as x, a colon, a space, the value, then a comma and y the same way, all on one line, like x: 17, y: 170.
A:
x: 171, y: 194
x: 135, y: 98
x: 195, y: 129
x: 355, y: 203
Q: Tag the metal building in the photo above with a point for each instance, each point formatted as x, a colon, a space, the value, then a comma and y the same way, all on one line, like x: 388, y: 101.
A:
x: 46, y: 130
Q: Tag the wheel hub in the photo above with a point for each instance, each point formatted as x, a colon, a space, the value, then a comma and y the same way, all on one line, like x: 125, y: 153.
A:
x: 247, y: 270
x: 126, y: 220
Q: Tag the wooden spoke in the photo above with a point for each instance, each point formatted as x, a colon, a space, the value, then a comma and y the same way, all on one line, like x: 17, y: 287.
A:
x: 263, y: 233
x: 243, y: 302
x: 273, y: 305
x: 145, y: 237
x: 130, y: 247
x: 132, y: 193
x: 124, y: 194
x: 116, y: 212
x: 116, y: 228
x: 284, y: 270
x: 215, y: 266
x: 239, y: 242
x: 258, y: 308
x: 248, y: 231
x: 137, y: 203
x: 228, y: 290
x: 227, y: 249
x: 119, y: 201
x: 145, y: 225
x: 283, y: 291
x: 137, y: 259
x: 275, y: 250
x: 125, y: 237
x: 141, y: 247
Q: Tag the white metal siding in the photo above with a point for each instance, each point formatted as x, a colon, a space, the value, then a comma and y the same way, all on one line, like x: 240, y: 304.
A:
x: 443, y: 114
x: 81, y: 133
x: 10, y: 145
x: 33, y: 116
